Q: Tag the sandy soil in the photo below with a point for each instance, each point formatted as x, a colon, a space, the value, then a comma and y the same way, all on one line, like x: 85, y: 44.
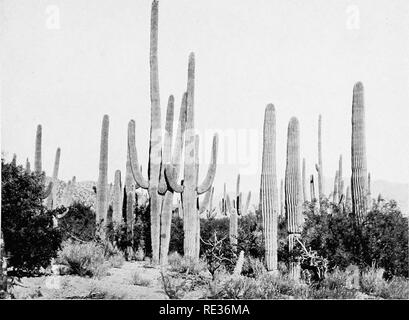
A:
x: 119, y: 284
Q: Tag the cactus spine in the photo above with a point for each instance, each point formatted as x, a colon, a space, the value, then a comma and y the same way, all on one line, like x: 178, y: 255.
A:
x: 102, y: 185
x: 292, y: 190
x: 190, y: 189
x: 51, y: 200
x: 268, y: 189
x: 358, y: 154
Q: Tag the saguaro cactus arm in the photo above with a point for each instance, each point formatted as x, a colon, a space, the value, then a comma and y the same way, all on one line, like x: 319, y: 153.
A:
x: 204, y: 205
x: 171, y: 179
x: 211, y: 172
x: 246, y: 208
x: 167, y: 147
x: 135, y: 169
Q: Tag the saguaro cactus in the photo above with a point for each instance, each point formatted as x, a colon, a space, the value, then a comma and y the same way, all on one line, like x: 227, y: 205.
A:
x: 293, y: 196
x: 320, y: 169
x: 175, y: 158
x: 268, y: 189
x: 335, y: 192
x: 37, y: 155
x: 282, y: 212
x: 358, y: 154
x: 155, y: 142
x: 233, y: 223
x: 312, y: 189
x: 102, y: 185
x: 340, y: 179
x: 28, y: 166
x: 117, y: 199
x: 51, y: 200
x: 190, y: 189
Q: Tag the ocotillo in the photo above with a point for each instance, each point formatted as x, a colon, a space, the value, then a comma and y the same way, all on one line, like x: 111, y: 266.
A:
x: 190, y: 189
x: 358, y: 154
x: 292, y: 190
x: 268, y: 189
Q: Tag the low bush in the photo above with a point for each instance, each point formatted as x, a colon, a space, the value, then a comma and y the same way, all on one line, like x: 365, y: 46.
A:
x: 84, y: 259
x: 138, y: 280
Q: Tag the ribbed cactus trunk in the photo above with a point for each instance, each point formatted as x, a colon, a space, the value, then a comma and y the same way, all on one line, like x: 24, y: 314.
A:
x: 304, y: 187
x: 190, y: 189
x: 293, y: 195
x: 358, y: 155
x: 130, y: 185
x: 37, y: 155
x: 102, y: 185
x: 340, y: 180
x: 320, y: 170
x: 233, y: 223
x: 51, y: 200
x: 117, y: 199
x: 166, y: 215
x: 268, y: 189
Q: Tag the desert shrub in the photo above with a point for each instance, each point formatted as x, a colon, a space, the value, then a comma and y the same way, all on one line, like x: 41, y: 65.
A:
x: 142, y: 230
x: 396, y: 288
x: 138, y: 280
x: 174, y: 287
x: 84, y: 259
x: 253, y: 267
x: 187, y: 265
x: 30, y: 239
x: 371, y: 281
x: 382, y: 237
x: 78, y: 223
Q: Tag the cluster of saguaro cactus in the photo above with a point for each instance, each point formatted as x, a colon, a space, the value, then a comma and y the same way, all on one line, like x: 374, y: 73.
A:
x: 358, y: 154
x: 293, y: 195
x: 190, y: 189
x: 268, y: 189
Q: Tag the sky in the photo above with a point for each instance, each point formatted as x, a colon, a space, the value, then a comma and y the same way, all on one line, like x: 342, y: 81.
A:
x: 64, y: 64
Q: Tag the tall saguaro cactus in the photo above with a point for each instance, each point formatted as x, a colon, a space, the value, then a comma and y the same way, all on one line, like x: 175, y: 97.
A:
x: 102, y: 185
x: 190, y: 188
x: 174, y: 158
x: 51, y: 200
x: 320, y: 169
x: 37, y: 155
x: 268, y: 189
x: 117, y: 199
x: 312, y: 188
x: 369, y: 195
x: 358, y: 154
x: 155, y: 142
x: 340, y: 179
x: 293, y: 195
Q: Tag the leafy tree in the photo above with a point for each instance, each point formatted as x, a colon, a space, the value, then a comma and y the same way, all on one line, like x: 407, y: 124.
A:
x: 27, y: 226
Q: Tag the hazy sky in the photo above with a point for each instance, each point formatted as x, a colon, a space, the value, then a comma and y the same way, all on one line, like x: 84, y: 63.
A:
x: 67, y: 63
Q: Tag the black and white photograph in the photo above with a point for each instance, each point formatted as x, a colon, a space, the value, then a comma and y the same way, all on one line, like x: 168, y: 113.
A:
x: 204, y: 151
